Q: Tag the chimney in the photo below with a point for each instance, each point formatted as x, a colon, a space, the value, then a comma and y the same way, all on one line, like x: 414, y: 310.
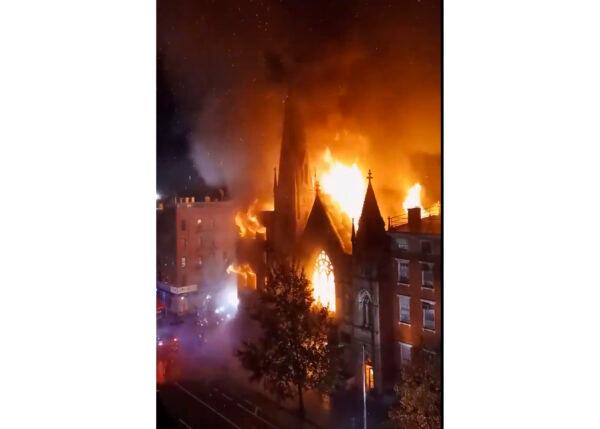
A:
x: 414, y: 219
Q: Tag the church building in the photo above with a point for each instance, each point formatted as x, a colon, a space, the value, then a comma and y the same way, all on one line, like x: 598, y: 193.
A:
x: 356, y: 277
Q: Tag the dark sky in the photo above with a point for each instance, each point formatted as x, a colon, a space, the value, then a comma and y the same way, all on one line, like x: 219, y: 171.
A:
x: 367, y: 74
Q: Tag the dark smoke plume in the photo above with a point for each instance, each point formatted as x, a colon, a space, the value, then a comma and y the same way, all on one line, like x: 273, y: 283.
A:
x: 368, y: 75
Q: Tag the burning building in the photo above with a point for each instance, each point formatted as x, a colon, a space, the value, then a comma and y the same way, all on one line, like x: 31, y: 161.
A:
x: 354, y: 266
x: 195, y: 245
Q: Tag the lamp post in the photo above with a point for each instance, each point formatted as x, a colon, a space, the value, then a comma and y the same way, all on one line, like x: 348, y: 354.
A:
x: 364, y: 386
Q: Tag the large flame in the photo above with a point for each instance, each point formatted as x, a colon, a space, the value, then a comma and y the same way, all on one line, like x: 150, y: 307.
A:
x: 245, y: 273
x: 345, y: 184
x: 323, y: 282
x: 413, y: 199
x: 248, y: 222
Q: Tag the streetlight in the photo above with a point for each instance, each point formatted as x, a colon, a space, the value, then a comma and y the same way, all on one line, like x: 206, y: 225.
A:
x: 364, y: 386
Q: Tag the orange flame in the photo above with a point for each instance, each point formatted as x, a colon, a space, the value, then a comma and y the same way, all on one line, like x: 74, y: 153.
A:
x: 413, y: 199
x: 248, y: 222
x: 245, y: 272
x: 345, y: 184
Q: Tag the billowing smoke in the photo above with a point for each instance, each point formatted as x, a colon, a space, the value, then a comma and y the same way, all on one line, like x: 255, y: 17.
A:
x: 368, y: 76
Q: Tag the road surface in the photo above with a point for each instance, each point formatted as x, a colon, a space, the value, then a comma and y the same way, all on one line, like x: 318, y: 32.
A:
x: 193, y: 404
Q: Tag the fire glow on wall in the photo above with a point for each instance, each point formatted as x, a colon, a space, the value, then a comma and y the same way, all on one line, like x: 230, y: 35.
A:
x: 323, y: 281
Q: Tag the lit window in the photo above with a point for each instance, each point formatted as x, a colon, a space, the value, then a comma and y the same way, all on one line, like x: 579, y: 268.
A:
x: 369, y: 378
x: 323, y: 282
x: 403, y: 272
x: 199, y: 221
x: 426, y: 247
x: 402, y: 244
x: 405, y: 353
x: 404, y: 308
x: 183, y: 262
x: 428, y: 315
x: 427, y: 275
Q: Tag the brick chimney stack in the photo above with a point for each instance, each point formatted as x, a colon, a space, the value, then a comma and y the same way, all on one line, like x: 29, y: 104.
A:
x: 414, y: 219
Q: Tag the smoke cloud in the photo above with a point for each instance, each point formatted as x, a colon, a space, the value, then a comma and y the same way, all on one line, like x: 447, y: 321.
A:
x: 367, y: 74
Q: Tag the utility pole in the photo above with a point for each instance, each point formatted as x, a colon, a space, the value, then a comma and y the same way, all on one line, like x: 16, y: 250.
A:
x: 364, y: 386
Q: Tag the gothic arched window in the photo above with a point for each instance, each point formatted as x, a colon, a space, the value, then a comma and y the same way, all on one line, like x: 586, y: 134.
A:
x: 324, y: 281
x: 364, y: 302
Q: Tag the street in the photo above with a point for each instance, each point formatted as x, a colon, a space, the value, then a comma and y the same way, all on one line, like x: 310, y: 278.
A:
x: 201, y: 385
x: 197, y: 405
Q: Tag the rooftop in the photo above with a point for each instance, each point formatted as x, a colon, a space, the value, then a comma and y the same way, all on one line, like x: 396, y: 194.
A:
x: 412, y: 222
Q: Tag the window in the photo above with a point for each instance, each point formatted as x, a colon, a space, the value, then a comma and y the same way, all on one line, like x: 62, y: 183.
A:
x: 405, y: 353
x: 323, y: 281
x: 427, y: 275
x: 404, y: 303
x: 183, y: 224
x: 428, y: 315
x: 183, y: 262
x: 369, y: 378
x: 184, y: 243
x: 403, y: 273
x: 426, y: 247
x: 402, y: 244
x: 365, y: 305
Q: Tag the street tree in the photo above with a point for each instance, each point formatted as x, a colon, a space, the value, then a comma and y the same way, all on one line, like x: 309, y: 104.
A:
x: 418, y: 395
x: 297, y: 349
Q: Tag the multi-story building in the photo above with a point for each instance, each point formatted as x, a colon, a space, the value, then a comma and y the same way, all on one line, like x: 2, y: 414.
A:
x: 416, y: 252
x: 195, y: 245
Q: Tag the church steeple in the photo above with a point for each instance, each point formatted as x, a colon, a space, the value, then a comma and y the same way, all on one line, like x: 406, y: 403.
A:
x: 371, y: 227
x: 293, y: 193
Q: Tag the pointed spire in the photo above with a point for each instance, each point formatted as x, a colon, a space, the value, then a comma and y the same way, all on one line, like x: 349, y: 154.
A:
x: 371, y: 227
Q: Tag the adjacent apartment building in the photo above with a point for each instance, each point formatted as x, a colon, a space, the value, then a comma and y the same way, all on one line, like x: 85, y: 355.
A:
x: 195, y: 245
x: 416, y: 249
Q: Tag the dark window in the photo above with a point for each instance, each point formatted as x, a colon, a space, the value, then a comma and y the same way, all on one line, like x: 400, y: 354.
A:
x: 183, y: 224
x: 426, y: 247
x: 428, y: 316
x: 366, y: 311
x: 402, y: 244
x: 404, y: 303
x: 427, y: 275
x: 405, y: 353
x: 403, y: 271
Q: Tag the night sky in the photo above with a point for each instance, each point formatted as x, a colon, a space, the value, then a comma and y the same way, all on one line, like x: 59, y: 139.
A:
x: 367, y: 74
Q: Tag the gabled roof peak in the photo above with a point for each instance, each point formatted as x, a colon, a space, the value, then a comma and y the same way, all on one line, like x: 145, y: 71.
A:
x: 371, y: 227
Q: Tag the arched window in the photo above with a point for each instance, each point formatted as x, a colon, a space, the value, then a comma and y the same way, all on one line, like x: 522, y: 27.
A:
x: 364, y: 302
x: 323, y: 281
